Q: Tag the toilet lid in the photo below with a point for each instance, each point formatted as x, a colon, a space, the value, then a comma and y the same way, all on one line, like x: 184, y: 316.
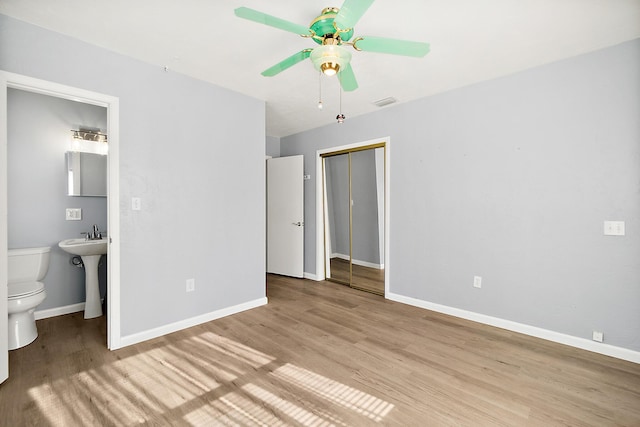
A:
x: 22, y: 289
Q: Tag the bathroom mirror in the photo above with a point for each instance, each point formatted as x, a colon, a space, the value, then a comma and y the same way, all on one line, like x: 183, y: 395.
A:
x: 86, y: 174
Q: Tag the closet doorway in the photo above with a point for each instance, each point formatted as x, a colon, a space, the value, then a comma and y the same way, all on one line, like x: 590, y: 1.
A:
x: 354, y: 209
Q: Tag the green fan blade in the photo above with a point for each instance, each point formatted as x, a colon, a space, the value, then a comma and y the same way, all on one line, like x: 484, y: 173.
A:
x: 289, y: 62
x: 350, y: 13
x: 348, y: 79
x: 272, y: 21
x: 395, y: 47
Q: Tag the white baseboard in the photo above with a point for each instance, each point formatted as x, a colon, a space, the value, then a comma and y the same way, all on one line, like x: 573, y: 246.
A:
x: 187, y: 323
x: 358, y: 262
x: 311, y: 276
x: 59, y: 311
x: 582, y: 343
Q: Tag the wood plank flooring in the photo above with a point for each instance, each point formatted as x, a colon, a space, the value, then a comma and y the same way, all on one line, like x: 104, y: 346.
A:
x: 318, y: 354
x: 364, y: 278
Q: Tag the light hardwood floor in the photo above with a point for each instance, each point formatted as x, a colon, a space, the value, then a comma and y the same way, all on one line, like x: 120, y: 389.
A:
x: 318, y: 354
x: 364, y: 278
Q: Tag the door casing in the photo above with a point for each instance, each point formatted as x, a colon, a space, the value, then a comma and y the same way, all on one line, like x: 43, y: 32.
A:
x: 44, y: 87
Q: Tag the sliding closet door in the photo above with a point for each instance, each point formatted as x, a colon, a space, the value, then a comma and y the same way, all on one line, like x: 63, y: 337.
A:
x: 367, y: 207
x: 354, y: 195
x: 337, y: 218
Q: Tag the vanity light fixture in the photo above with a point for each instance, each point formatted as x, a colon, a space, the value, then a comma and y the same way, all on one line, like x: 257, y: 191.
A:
x: 89, y: 135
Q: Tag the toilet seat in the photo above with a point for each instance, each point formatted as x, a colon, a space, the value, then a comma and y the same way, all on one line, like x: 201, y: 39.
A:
x: 24, y: 289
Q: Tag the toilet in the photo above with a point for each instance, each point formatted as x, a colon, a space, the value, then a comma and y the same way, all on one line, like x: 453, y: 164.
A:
x: 26, y: 267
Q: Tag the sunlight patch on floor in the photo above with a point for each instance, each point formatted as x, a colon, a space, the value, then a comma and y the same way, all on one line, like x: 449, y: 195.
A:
x: 233, y: 409
x: 204, y: 380
x: 62, y: 404
x: 300, y: 415
x: 229, y: 347
x: 336, y: 392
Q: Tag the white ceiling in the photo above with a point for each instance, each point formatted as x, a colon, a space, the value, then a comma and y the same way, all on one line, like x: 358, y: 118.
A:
x: 471, y: 41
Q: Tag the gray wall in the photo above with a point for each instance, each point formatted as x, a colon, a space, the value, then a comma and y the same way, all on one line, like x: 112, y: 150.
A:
x: 511, y: 179
x: 193, y: 152
x: 272, y: 147
x: 38, y: 138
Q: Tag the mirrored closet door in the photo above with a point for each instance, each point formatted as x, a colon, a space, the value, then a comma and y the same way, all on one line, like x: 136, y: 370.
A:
x: 354, y: 217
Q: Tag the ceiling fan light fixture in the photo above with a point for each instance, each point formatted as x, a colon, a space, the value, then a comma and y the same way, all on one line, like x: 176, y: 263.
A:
x: 330, y: 68
x: 330, y: 58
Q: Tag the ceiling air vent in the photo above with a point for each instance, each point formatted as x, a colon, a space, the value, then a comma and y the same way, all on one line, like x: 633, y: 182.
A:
x: 385, y: 101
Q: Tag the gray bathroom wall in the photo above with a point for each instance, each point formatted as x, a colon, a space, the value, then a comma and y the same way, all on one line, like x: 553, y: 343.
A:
x: 511, y: 180
x: 193, y: 153
x: 38, y: 138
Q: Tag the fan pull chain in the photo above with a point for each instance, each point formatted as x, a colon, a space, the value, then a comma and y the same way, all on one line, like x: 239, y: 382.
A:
x: 340, y: 117
x: 320, y: 90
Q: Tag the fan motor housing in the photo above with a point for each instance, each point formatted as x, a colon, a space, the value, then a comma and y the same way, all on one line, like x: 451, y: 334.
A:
x: 323, y: 26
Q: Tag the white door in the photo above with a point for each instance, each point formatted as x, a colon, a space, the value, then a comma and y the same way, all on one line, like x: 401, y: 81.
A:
x: 285, y: 216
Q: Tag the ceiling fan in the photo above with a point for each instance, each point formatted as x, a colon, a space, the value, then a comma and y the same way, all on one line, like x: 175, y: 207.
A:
x: 332, y: 30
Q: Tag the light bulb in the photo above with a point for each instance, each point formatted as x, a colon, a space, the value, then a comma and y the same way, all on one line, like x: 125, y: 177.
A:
x: 329, y: 71
x: 320, y: 105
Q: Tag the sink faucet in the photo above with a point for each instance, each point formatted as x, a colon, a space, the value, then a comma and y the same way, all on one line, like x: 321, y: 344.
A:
x: 93, y: 235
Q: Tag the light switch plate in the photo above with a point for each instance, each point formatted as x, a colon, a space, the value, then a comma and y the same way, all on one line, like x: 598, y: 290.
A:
x: 614, y: 228
x: 477, y: 281
x: 73, y: 214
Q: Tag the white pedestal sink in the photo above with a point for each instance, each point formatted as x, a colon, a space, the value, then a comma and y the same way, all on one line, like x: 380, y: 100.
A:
x: 90, y: 251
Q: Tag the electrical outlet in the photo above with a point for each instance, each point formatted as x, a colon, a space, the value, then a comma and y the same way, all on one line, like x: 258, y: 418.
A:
x: 136, y: 204
x: 191, y: 285
x: 598, y: 336
x: 477, y: 281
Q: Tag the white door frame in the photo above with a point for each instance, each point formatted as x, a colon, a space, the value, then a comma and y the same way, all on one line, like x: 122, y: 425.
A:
x: 112, y: 104
x: 320, y: 231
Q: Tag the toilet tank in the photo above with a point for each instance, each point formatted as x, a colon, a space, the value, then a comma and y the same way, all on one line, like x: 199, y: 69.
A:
x: 28, y: 264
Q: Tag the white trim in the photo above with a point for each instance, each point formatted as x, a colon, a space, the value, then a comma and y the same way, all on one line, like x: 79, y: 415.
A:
x: 357, y: 261
x: 58, y: 311
x: 581, y: 343
x: 113, y: 227
x: 312, y: 276
x: 320, y: 232
x: 111, y: 103
x: 188, y: 323
x: 4, y: 327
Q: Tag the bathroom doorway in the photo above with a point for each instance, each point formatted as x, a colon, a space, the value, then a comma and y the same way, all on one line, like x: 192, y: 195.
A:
x: 11, y: 81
